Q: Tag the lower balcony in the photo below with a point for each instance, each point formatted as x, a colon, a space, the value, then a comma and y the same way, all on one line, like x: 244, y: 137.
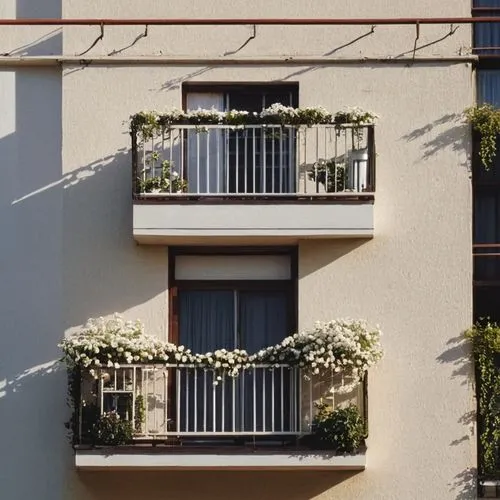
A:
x: 262, y: 183
x: 185, y: 417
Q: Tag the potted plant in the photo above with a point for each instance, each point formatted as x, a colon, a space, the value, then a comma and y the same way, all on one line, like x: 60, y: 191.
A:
x: 168, y: 181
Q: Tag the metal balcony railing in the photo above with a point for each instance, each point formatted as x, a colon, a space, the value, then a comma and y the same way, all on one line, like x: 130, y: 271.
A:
x: 176, y: 401
x: 254, y: 161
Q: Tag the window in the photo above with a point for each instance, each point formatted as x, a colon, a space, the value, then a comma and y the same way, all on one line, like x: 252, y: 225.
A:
x: 254, y: 160
x: 234, y: 302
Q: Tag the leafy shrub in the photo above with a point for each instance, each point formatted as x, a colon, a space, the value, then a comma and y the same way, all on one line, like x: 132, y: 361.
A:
x: 342, y: 429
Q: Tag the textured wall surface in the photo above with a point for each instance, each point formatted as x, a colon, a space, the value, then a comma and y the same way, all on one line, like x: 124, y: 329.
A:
x: 67, y: 253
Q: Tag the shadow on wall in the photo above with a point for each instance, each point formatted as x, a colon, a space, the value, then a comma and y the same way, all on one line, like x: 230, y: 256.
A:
x: 455, y: 135
x: 66, y: 253
x: 211, y: 485
x: 458, y: 354
x: 326, y: 252
x: 50, y: 43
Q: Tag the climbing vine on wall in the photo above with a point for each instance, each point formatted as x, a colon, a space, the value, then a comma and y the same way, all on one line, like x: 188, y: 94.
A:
x: 485, y: 339
x: 485, y: 120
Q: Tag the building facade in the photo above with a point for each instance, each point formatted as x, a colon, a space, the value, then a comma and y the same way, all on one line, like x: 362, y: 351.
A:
x: 76, y: 244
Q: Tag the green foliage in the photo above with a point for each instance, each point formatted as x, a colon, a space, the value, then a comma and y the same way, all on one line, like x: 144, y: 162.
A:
x: 168, y: 180
x: 485, y: 119
x: 342, y: 429
x: 140, y: 413
x: 485, y: 339
x: 332, y: 179
x: 111, y: 430
x: 150, y: 124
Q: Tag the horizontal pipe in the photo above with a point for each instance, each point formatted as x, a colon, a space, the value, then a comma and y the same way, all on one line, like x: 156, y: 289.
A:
x: 224, y: 61
x: 256, y: 21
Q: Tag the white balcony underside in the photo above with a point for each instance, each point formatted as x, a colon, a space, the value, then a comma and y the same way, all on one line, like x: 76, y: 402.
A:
x: 167, y: 223
x: 107, y: 459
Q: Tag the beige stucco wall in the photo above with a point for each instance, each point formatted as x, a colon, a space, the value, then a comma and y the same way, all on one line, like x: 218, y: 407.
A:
x: 67, y: 252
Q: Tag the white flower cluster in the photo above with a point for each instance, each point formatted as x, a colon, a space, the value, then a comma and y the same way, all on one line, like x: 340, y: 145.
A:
x: 109, y: 342
x: 336, y: 346
x: 277, y: 113
x: 287, y: 114
x: 343, y: 345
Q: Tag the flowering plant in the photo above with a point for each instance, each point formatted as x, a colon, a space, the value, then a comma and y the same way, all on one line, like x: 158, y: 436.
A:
x: 168, y: 181
x: 151, y: 123
x: 344, y: 345
x: 355, y: 116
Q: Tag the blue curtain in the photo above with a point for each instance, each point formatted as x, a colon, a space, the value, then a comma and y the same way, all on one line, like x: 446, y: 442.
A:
x: 206, y: 319
x: 263, y: 322
x: 206, y: 323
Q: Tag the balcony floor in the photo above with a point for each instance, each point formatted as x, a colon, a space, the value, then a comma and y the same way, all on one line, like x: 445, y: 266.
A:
x: 203, y: 457
x: 215, y: 221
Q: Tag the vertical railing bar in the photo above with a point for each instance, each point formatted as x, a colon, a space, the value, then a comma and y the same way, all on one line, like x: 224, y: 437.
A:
x: 237, y: 187
x: 282, y: 159
x: 145, y: 386
x: 155, y: 414
x: 101, y: 395
x: 165, y: 400
x: 187, y: 398
x: 305, y: 160
x: 273, y: 162
x: 204, y: 401
x: 290, y: 403
x: 333, y: 388
x: 214, y: 398
x: 347, y: 159
x: 153, y: 170
x: 295, y: 400
x: 178, y: 398
x: 144, y: 177
x: 134, y: 395
x: 115, y: 385
x: 223, y: 428
x: 180, y: 133
x: 234, y: 404
x: 264, y: 399
x: 254, y: 162
x: 123, y: 378
x: 263, y: 164
x: 282, y: 406
x: 310, y: 403
x: 296, y: 157
x: 246, y: 160
x: 227, y: 138
x: 325, y: 133
x: 207, y: 136
x: 218, y: 137
x: 254, y: 401
x: 273, y: 388
x: 242, y: 428
x: 171, y: 153
x: 299, y: 398
x: 195, y: 401
x: 198, y: 161
x: 316, y: 160
x: 290, y: 167
x: 336, y: 162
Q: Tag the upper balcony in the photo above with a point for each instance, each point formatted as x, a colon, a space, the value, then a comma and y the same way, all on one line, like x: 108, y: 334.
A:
x: 259, y: 182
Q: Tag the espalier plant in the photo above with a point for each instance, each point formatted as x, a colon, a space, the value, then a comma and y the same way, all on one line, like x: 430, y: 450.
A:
x: 485, y: 337
x: 485, y: 120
